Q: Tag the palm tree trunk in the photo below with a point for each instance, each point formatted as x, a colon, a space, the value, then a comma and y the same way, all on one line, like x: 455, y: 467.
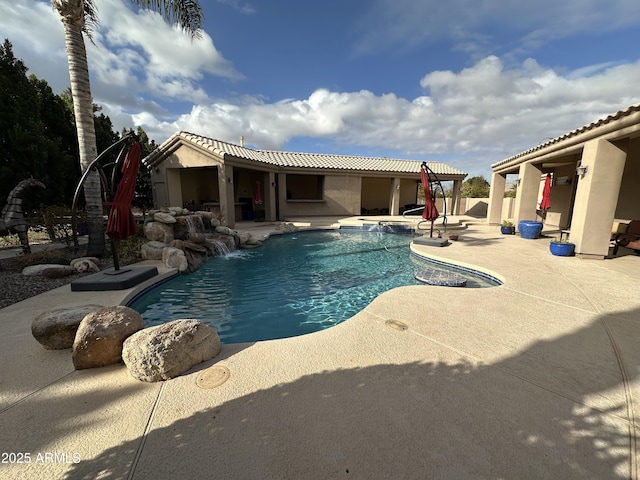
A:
x: 83, y: 109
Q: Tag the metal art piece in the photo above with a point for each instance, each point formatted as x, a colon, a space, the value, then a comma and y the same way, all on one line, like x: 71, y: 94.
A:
x: 13, y: 221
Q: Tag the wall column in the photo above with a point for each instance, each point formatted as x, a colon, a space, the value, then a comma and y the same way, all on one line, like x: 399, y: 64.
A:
x: 454, y: 208
x: 282, y: 195
x: 394, y: 197
x: 597, y: 198
x: 270, y: 196
x: 496, y: 198
x: 227, y: 195
x: 527, y: 196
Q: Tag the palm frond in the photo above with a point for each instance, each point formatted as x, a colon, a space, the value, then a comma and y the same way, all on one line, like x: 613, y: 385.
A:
x: 186, y: 14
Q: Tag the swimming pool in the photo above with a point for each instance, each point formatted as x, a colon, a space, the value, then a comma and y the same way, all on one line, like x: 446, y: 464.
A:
x: 292, y: 285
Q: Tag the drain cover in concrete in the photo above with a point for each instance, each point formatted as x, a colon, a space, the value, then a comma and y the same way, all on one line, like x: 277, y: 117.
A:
x: 213, y: 377
x: 396, y: 324
x: 442, y: 278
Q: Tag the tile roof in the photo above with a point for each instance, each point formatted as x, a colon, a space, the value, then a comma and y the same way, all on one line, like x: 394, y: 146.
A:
x: 573, y: 133
x: 305, y: 160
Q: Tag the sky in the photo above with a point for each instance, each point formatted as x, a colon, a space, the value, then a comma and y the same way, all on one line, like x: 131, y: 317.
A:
x: 465, y: 82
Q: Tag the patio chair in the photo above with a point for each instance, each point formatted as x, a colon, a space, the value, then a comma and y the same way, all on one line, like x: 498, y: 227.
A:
x: 630, y: 238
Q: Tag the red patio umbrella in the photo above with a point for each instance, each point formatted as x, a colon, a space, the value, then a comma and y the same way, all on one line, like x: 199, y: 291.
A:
x: 258, y: 198
x: 121, y: 223
x: 430, y: 211
x: 545, y: 204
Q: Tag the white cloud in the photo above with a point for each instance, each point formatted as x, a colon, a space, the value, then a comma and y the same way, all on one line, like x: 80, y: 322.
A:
x: 480, y: 114
x: 135, y: 54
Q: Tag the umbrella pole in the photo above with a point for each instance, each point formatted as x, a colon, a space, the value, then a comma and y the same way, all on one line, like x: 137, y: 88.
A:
x: 115, y: 246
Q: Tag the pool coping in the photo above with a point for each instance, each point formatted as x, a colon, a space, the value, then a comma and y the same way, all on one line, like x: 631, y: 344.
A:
x: 518, y: 375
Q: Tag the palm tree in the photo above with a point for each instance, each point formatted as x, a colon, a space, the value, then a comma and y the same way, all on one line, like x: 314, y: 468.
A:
x: 78, y: 18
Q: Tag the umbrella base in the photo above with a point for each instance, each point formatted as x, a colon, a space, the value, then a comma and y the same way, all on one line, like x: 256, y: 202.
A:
x: 431, y: 241
x: 111, y: 279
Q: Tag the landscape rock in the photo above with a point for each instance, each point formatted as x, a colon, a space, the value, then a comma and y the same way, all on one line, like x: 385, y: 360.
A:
x: 84, y: 266
x: 175, y: 258
x: 285, y: 227
x: 224, y: 230
x: 56, y: 329
x: 152, y: 250
x: 59, y: 272
x: 168, y: 350
x: 159, y: 232
x: 164, y: 217
x: 98, y: 341
x: 38, y: 269
x: 82, y: 259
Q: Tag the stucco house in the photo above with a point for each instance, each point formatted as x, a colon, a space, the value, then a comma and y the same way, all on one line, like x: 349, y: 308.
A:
x: 596, y: 181
x: 243, y: 183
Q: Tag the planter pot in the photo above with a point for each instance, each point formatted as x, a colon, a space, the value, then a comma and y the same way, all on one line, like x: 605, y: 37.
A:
x: 562, y: 249
x: 508, y: 230
x: 529, y: 229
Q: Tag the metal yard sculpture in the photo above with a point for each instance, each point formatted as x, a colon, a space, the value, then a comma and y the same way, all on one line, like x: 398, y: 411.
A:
x: 12, y: 220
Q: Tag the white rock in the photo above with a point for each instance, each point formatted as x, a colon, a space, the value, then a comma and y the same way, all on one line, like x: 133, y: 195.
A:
x: 85, y: 265
x: 175, y: 258
x: 33, y: 270
x: 81, y: 259
x: 164, y: 218
x: 166, y: 351
x: 100, y: 336
x: 152, y: 250
x: 56, y: 329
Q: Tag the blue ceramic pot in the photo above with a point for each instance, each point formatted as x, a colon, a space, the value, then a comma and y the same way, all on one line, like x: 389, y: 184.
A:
x: 507, y: 230
x: 529, y: 229
x: 562, y: 249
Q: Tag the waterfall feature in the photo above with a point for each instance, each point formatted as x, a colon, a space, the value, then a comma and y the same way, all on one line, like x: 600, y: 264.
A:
x: 219, y: 247
x: 194, y: 223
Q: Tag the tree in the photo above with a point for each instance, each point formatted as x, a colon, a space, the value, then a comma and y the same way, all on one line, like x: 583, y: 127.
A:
x: 37, y: 135
x: 475, y: 187
x: 78, y: 18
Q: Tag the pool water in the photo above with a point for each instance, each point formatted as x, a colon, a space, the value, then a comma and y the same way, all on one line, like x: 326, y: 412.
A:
x: 292, y: 285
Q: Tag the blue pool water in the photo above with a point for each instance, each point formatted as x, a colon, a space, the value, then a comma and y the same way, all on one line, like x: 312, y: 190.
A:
x: 292, y: 285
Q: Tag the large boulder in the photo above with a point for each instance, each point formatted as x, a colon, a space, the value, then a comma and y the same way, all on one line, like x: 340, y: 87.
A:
x: 56, y: 329
x: 164, y: 217
x: 168, y: 350
x: 159, y: 232
x: 59, y: 272
x: 100, y: 336
x: 224, y: 230
x: 175, y: 258
x: 84, y: 265
x: 76, y: 261
x: 152, y: 250
x: 33, y: 270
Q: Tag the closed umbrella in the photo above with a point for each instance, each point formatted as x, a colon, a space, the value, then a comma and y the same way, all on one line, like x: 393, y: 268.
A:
x: 258, y: 198
x: 430, y: 212
x: 545, y: 204
x: 121, y: 223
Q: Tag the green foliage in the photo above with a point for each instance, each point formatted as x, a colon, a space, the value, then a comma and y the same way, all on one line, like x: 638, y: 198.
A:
x: 507, y: 223
x: 475, y: 187
x: 131, y: 249
x: 37, y: 136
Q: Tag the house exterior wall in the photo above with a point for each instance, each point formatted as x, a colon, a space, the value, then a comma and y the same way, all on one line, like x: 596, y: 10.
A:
x: 375, y: 193
x: 341, y: 197
x: 628, y: 207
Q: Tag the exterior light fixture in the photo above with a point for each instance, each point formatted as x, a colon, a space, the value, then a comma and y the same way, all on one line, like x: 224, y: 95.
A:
x: 581, y: 170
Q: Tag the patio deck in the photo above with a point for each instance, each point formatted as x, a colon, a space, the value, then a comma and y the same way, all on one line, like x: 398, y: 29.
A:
x: 537, y: 378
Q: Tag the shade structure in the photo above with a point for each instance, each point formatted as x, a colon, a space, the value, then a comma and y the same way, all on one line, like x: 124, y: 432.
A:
x: 258, y: 197
x: 121, y: 223
x: 430, y: 212
x: 545, y: 204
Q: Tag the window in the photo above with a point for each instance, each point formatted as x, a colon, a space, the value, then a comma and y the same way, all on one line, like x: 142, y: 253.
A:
x: 305, y: 187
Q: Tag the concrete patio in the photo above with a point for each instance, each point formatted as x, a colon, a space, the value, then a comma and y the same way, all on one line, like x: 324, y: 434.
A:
x: 537, y: 378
